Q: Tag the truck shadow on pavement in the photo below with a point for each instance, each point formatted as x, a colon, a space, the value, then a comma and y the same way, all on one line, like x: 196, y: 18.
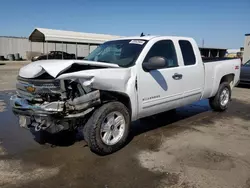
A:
x: 63, y: 138
x: 190, y: 114
x: 66, y: 138
x: 243, y: 86
x: 178, y: 119
x: 138, y: 127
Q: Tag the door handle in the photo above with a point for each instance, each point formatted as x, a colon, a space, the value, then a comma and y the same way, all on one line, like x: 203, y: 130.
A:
x: 177, y: 76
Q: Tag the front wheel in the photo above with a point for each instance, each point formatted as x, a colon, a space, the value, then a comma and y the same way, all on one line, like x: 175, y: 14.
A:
x: 107, y: 129
x: 221, y: 100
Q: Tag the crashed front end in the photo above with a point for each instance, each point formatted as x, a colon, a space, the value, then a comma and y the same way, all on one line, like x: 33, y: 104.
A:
x: 52, y: 105
x: 56, y: 95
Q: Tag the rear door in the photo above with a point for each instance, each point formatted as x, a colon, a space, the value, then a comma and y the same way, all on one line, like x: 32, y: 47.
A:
x: 193, y: 74
x: 160, y: 90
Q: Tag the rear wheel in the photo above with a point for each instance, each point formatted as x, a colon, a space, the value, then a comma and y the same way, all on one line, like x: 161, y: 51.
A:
x: 221, y: 100
x: 107, y: 129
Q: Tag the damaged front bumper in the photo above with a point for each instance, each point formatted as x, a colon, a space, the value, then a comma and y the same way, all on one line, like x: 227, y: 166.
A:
x: 21, y: 106
x: 39, y: 117
x: 54, y: 116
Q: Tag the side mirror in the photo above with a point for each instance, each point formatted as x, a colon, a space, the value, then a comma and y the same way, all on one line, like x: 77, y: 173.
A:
x: 154, y: 63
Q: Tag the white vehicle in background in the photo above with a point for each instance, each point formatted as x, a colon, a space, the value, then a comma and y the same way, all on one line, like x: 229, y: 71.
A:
x: 121, y: 81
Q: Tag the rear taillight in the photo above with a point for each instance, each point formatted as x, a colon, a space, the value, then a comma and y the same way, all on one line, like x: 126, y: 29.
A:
x: 237, y: 67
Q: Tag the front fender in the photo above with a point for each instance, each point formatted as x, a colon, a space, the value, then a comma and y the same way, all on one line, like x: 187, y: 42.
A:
x: 118, y: 80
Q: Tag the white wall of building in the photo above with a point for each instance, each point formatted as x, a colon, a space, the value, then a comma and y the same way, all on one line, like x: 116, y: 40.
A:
x: 12, y: 45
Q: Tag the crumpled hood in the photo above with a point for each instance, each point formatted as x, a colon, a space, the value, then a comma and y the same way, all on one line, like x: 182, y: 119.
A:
x: 55, y: 67
x: 110, y: 78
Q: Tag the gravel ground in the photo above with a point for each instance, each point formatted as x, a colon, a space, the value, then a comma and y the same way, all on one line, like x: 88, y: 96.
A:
x: 190, y: 149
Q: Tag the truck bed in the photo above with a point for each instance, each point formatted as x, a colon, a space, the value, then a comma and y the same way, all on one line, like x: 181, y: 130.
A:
x: 215, y: 70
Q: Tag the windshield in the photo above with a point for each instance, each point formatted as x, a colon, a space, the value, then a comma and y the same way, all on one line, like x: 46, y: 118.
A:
x: 247, y: 64
x: 121, y: 52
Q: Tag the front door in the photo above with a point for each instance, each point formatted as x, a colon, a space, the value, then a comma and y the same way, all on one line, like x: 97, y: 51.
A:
x: 160, y: 90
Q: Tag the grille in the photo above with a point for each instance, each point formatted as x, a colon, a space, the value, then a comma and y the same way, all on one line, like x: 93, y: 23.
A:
x: 34, y: 88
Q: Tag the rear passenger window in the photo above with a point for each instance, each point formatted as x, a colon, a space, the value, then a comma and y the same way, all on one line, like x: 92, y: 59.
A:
x: 187, y: 52
x: 164, y: 48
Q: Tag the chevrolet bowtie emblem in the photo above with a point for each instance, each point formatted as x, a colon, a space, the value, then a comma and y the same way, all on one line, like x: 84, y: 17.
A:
x: 31, y: 89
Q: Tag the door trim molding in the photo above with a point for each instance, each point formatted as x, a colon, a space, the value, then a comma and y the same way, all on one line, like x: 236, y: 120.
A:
x: 163, y: 102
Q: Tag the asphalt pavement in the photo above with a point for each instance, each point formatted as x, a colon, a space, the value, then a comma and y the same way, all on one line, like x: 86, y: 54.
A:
x: 191, y: 148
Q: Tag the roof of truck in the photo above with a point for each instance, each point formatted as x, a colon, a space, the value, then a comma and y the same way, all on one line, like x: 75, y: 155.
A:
x: 149, y: 37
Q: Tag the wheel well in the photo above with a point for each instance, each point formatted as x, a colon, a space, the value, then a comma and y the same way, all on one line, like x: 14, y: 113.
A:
x: 229, y: 78
x: 107, y: 96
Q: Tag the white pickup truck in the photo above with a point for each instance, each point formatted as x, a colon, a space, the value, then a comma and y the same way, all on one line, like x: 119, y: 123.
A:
x: 121, y: 81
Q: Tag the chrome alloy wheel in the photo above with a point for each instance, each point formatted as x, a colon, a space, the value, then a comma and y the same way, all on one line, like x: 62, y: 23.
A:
x: 224, y: 97
x: 112, y: 128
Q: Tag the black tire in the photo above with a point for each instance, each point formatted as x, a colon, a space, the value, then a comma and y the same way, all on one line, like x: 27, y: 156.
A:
x: 92, y: 128
x: 215, y: 102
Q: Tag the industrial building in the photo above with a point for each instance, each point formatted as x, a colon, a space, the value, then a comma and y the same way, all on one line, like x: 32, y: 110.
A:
x: 42, y: 41
x: 212, y: 52
x: 246, y: 54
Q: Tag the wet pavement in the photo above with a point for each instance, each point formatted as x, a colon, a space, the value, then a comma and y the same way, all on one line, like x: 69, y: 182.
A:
x: 14, y: 138
x: 193, y: 147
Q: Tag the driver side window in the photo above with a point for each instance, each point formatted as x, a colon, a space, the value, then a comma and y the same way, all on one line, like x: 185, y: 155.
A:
x: 166, y: 49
